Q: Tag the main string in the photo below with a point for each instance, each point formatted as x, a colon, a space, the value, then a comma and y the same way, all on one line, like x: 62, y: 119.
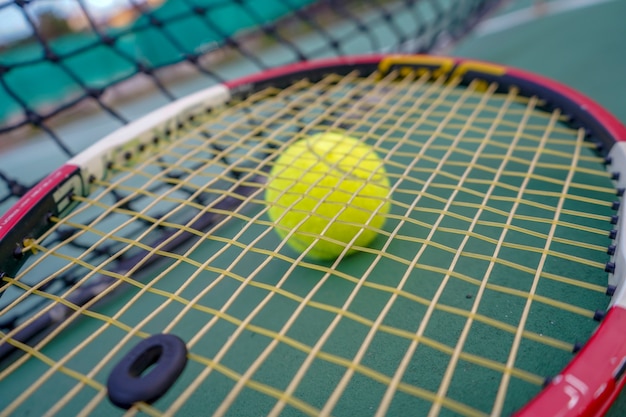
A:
x: 435, y: 137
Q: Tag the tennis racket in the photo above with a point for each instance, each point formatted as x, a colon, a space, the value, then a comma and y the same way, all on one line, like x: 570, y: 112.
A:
x: 145, y: 274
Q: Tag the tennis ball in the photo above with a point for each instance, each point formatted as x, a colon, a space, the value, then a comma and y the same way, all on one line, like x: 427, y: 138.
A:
x: 327, y: 189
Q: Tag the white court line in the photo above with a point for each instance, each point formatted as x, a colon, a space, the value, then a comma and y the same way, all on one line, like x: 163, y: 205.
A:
x: 522, y: 16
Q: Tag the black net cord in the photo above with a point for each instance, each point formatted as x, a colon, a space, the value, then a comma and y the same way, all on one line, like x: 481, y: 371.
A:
x: 160, y: 36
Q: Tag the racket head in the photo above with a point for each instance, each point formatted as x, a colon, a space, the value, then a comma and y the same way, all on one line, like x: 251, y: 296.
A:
x: 594, y: 376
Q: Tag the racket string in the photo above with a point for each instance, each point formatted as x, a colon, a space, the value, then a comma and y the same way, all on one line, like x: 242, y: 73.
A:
x: 502, y: 391
x: 397, y: 119
x: 459, y: 251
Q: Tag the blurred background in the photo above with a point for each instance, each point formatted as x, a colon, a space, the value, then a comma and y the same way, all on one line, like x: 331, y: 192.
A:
x: 72, y: 71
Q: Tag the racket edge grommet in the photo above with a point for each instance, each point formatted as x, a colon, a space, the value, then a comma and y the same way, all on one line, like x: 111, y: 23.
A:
x: 599, y: 315
x: 610, y: 290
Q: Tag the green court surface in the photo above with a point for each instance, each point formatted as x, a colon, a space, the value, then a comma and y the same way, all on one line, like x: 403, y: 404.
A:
x: 582, y: 47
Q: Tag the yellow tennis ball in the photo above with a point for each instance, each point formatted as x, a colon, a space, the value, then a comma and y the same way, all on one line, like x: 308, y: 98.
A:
x: 325, y: 190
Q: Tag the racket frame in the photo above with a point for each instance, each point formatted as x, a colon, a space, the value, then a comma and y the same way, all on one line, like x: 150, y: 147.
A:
x: 585, y: 387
